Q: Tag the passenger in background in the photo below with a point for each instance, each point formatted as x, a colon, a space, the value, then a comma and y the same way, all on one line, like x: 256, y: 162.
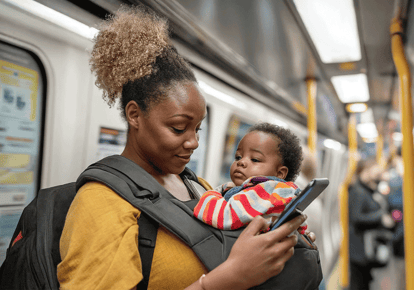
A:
x: 395, y: 200
x: 136, y: 63
x: 364, y: 214
x: 314, y: 211
x: 267, y: 161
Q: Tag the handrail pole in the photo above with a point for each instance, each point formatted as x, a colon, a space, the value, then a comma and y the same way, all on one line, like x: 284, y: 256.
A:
x: 344, y: 203
x: 403, y: 70
x: 312, y: 122
x: 380, y: 152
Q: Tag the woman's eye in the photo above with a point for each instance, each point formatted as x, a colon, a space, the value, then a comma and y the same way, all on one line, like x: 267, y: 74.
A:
x: 198, y: 129
x: 178, y: 131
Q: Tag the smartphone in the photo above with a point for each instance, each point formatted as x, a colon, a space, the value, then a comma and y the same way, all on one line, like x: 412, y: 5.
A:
x: 298, y: 205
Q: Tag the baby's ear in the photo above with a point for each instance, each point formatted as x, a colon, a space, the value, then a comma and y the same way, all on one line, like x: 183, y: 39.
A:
x: 282, y: 172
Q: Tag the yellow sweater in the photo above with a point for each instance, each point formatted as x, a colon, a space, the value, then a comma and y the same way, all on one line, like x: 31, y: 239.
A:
x: 99, y: 247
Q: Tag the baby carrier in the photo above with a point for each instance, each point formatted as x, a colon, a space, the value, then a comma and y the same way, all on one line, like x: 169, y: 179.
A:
x: 33, y: 253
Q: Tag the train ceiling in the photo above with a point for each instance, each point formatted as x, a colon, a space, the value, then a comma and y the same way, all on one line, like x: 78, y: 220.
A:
x: 265, y: 46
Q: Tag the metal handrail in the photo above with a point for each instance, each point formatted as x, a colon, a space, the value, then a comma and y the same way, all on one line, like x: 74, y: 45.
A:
x: 404, y: 75
x: 312, y: 122
x: 344, y: 203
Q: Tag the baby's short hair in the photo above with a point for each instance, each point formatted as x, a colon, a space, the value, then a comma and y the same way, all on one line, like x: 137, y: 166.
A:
x: 289, y: 147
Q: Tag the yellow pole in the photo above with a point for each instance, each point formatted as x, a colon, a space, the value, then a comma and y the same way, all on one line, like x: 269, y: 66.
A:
x: 380, y: 154
x: 311, y: 90
x: 403, y: 70
x: 343, y: 203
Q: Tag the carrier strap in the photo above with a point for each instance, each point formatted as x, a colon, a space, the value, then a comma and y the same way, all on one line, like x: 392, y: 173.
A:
x: 140, y: 189
x: 147, y: 238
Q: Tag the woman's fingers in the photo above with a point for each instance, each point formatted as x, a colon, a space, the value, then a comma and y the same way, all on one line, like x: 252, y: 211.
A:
x: 279, y: 263
x: 257, y: 257
x: 284, y: 245
x: 255, y: 226
x: 287, y: 228
x: 279, y: 254
x: 259, y: 223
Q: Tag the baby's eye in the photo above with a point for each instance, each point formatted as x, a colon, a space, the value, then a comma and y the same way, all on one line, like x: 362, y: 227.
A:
x: 237, y: 158
x: 198, y: 129
x: 255, y: 160
x: 178, y: 131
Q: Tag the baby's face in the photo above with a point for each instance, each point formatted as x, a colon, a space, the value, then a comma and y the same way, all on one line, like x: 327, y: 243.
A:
x: 257, y: 154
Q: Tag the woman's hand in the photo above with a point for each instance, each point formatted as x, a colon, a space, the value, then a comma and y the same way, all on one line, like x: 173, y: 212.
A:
x: 255, y: 257
x: 387, y: 221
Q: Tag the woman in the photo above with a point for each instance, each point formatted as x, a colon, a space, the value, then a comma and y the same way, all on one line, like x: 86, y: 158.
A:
x: 134, y: 61
x: 364, y: 214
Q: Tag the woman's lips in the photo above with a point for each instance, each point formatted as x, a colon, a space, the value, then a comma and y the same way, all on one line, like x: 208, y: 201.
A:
x: 185, y: 158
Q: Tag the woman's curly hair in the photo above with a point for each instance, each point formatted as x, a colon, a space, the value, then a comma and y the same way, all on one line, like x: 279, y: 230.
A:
x: 289, y: 147
x: 133, y: 58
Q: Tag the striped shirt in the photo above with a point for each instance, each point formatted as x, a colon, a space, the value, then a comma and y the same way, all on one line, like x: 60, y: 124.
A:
x: 229, y: 207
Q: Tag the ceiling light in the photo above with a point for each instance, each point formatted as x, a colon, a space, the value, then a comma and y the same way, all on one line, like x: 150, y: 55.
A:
x: 329, y: 143
x: 351, y: 88
x: 332, y: 27
x: 367, y: 130
x: 356, y: 108
x: 279, y: 122
x: 397, y: 136
x: 221, y: 96
x: 55, y: 17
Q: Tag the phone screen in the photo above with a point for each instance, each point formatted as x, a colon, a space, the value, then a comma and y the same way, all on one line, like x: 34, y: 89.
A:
x: 301, y: 202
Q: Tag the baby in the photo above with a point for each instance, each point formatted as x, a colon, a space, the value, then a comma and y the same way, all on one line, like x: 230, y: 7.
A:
x: 268, y: 159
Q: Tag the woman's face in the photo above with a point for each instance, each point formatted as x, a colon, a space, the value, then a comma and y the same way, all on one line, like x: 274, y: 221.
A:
x: 168, y: 134
x: 374, y: 172
x: 371, y: 175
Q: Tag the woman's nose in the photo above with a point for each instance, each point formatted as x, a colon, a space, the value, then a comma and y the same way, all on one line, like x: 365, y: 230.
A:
x: 192, y: 142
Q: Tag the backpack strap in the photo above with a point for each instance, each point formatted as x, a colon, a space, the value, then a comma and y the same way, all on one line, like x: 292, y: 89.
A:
x: 140, y: 189
x: 148, y: 230
x: 146, y: 244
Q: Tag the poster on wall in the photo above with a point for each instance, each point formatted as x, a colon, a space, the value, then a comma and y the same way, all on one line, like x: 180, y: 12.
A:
x: 20, y: 138
x: 111, y: 142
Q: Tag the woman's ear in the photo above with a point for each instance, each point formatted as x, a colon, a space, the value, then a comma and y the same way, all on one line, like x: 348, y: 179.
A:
x: 132, y: 112
x: 282, y: 172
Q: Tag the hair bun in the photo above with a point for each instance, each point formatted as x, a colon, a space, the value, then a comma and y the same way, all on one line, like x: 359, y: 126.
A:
x: 126, y: 46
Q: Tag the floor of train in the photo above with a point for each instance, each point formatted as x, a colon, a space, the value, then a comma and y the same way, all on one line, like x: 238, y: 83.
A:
x: 391, y: 277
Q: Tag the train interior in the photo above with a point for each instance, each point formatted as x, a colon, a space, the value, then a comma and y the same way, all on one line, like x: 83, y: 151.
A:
x: 309, y: 66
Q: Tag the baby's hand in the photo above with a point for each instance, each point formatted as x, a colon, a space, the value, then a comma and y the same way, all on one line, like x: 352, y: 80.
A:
x: 311, y: 236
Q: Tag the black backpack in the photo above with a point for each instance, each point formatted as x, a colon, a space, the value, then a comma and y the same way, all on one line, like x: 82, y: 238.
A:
x: 31, y: 262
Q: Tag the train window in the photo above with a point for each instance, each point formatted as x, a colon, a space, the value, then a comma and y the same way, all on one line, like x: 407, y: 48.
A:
x: 22, y: 99
x: 235, y: 132
x: 198, y: 159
